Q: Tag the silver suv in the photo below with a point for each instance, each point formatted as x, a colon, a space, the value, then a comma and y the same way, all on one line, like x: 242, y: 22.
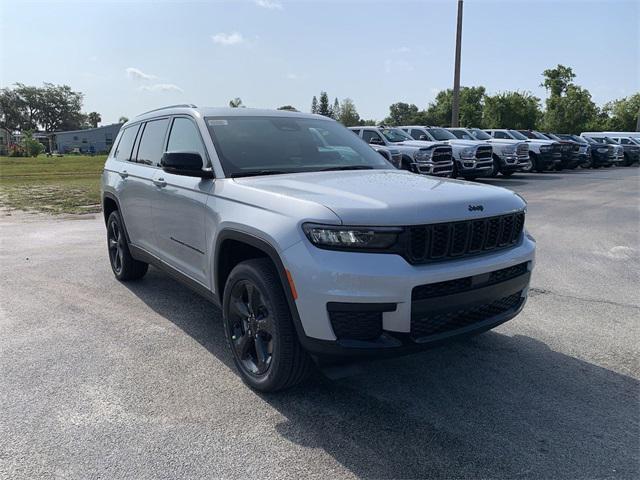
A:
x: 313, y: 249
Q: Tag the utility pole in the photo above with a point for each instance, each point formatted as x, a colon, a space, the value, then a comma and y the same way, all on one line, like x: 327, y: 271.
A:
x: 455, y: 108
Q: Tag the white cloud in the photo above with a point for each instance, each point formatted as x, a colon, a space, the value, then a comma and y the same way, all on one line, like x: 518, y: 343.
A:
x: 395, y: 66
x: 161, y: 87
x: 292, y: 76
x: 227, y: 38
x: 401, y: 50
x: 270, y: 4
x: 137, y: 74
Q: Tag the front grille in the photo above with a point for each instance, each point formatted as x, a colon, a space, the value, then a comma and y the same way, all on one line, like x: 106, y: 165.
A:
x: 454, y: 320
x: 465, y: 284
x: 522, y: 150
x: 483, y: 153
x: 356, y: 325
x: 441, y: 241
x: 556, y: 149
x: 442, y: 155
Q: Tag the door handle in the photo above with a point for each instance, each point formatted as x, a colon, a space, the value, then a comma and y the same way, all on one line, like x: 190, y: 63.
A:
x: 160, y: 182
x: 124, y: 174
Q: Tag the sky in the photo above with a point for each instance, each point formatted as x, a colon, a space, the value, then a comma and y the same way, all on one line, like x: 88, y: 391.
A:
x: 131, y: 56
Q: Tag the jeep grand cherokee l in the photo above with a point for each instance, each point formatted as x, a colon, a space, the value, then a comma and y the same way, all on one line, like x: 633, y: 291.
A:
x: 313, y: 250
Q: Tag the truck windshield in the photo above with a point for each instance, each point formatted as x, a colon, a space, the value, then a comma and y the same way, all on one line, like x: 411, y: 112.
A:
x: 462, y: 134
x: 479, y: 134
x: 264, y: 145
x: 517, y: 135
x: 395, y: 135
x: 441, y: 134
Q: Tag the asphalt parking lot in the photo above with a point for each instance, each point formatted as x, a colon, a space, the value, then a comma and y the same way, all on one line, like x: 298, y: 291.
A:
x: 100, y: 379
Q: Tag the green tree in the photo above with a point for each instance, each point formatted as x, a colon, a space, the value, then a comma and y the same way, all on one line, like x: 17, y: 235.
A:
x: 367, y: 123
x: 348, y: 114
x: 471, y: 105
x: 401, y: 114
x: 623, y: 115
x: 335, y: 109
x: 236, y: 103
x: 556, y: 80
x: 12, y: 110
x: 519, y: 110
x: 94, y: 119
x: 123, y: 119
x: 314, y: 105
x: 323, y: 105
x: 569, y: 106
x: 31, y: 146
x: 289, y: 108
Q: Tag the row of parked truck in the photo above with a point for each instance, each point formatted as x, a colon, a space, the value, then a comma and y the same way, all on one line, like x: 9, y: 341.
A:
x: 472, y: 153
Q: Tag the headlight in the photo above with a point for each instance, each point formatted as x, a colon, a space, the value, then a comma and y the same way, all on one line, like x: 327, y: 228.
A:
x: 545, y: 148
x: 422, y: 155
x: 468, y: 153
x: 510, y: 150
x: 351, y: 238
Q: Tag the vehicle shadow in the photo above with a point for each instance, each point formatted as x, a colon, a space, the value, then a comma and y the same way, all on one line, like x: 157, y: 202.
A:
x: 492, y: 406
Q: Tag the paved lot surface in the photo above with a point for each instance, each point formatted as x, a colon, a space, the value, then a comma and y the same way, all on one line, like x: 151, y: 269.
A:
x: 104, y: 380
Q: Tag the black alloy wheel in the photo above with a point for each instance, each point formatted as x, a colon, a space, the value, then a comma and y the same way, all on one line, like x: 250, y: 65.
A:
x: 115, y: 239
x: 251, y: 327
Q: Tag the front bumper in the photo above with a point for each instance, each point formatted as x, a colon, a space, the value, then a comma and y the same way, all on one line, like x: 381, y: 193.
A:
x: 514, y: 163
x: 440, y: 169
x: 363, y: 282
x: 473, y: 167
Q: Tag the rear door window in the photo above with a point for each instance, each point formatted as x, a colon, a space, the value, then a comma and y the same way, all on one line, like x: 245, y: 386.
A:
x: 500, y: 135
x: 125, y: 145
x: 416, y: 134
x: 151, y: 145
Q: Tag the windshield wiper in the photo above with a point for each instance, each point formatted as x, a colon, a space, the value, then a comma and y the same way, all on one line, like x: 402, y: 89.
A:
x: 255, y: 173
x: 346, y: 167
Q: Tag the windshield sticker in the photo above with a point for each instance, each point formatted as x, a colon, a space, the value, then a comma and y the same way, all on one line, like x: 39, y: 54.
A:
x: 217, y: 122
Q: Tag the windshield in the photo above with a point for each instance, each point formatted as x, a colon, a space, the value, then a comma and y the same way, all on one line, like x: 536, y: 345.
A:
x: 574, y: 138
x: 462, y: 134
x: 395, y: 135
x: 441, y: 134
x: 517, y: 135
x: 479, y: 134
x: 610, y: 141
x: 551, y: 136
x: 272, y: 145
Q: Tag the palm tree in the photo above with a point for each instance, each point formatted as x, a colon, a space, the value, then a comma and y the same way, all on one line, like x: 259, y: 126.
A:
x: 236, y: 103
x: 94, y: 119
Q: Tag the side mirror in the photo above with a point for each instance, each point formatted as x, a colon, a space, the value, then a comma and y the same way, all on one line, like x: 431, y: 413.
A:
x: 423, y: 137
x: 188, y: 164
x: 375, y: 141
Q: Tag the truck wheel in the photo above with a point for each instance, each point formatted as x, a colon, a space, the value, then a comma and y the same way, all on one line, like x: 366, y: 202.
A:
x: 405, y: 164
x: 260, y: 330
x: 124, y: 266
x: 454, y: 170
x: 496, y: 166
x: 507, y: 174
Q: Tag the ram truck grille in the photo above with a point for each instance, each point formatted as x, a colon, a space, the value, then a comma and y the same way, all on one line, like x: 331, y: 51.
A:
x: 522, y: 150
x: 444, y: 241
x: 441, y: 155
x: 484, y: 153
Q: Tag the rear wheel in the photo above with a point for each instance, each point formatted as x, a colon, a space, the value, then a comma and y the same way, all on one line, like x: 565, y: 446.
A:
x: 124, y: 266
x: 259, y: 328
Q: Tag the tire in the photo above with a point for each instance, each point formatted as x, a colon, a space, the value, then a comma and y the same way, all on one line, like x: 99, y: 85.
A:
x: 507, y: 174
x: 259, y: 328
x: 123, y: 265
x: 454, y: 170
x: 496, y: 166
x: 405, y: 164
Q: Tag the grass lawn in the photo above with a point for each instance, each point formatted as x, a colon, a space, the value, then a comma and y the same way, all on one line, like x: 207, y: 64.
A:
x: 69, y: 184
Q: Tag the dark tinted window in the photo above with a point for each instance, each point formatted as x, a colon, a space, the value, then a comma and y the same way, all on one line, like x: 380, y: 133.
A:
x: 152, y: 143
x: 416, y: 134
x: 356, y: 131
x: 125, y: 145
x: 248, y: 145
x: 367, y: 135
x: 500, y: 135
x: 184, y: 137
x: 441, y: 134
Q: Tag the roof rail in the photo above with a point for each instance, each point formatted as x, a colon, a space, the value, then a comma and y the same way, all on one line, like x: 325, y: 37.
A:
x: 180, y: 105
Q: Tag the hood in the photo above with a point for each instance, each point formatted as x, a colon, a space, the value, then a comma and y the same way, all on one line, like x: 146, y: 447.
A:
x: 506, y: 141
x: 388, y: 197
x: 415, y: 143
x: 466, y: 143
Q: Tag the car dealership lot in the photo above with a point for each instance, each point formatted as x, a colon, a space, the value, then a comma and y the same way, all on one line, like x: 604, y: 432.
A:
x: 102, y: 379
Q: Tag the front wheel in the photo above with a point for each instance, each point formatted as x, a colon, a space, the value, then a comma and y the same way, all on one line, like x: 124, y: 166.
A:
x: 124, y: 266
x: 259, y: 328
x: 496, y: 166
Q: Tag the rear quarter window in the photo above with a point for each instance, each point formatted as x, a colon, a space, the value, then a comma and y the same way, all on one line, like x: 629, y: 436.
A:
x: 125, y: 145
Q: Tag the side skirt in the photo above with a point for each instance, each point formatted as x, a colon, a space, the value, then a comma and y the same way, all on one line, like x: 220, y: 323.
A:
x: 144, y: 256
